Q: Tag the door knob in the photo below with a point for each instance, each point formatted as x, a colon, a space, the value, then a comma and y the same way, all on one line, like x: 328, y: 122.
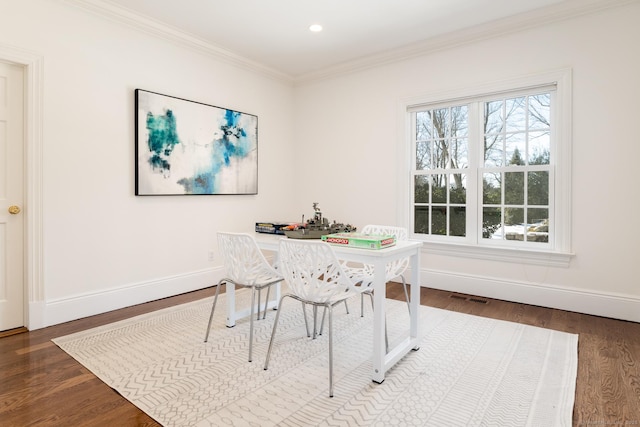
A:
x: 14, y: 209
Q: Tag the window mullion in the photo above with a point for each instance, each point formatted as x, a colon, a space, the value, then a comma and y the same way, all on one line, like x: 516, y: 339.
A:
x: 413, y: 169
x: 474, y: 184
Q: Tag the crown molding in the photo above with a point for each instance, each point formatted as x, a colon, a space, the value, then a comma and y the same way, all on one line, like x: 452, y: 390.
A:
x: 124, y: 16
x: 504, y: 26
x: 512, y: 24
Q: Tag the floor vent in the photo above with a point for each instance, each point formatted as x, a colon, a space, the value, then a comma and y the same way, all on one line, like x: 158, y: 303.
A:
x: 471, y: 299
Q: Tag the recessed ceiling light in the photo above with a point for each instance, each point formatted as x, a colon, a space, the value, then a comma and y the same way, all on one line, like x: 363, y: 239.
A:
x: 316, y: 28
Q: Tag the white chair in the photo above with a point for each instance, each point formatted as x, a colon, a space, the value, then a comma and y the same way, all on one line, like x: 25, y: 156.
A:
x: 314, y: 276
x: 395, y: 269
x: 246, y: 267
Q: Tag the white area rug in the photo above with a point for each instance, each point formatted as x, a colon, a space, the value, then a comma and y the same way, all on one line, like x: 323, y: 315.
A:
x: 469, y: 370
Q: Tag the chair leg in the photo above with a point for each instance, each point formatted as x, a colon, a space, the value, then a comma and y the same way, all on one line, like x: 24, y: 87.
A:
x: 259, y: 295
x: 324, y: 313
x: 273, y: 332
x: 315, y: 321
x: 253, y: 300
x: 213, y: 308
x: 386, y: 336
x: 406, y: 294
x: 273, y: 336
x: 306, y: 322
x: 266, y: 303
x: 362, y: 305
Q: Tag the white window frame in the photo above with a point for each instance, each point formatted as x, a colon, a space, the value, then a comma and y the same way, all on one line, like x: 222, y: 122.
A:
x: 556, y: 254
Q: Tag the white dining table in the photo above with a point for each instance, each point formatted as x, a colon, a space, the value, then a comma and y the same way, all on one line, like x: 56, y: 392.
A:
x: 383, y: 359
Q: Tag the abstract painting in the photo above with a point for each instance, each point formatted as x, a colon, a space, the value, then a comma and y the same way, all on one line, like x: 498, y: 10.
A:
x: 186, y: 147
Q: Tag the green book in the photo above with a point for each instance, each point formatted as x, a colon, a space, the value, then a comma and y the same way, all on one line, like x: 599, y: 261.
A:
x: 360, y: 240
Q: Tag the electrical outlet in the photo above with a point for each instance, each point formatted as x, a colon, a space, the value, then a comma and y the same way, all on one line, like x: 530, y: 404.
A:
x: 211, y: 256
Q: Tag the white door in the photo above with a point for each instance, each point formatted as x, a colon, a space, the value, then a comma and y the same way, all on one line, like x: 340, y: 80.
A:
x: 11, y: 196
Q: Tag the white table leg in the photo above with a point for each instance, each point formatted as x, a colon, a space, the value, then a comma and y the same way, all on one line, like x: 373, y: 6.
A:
x: 382, y: 360
x: 379, y: 297
x: 415, y: 297
x: 278, y: 287
x: 231, y: 305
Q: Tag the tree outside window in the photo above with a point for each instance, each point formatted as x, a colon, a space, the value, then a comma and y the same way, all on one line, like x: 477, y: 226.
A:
x: 511, y: 136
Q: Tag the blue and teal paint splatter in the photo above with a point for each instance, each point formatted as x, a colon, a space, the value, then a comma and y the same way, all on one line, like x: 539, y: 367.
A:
x: 163, y: 137
x: 232, y: 141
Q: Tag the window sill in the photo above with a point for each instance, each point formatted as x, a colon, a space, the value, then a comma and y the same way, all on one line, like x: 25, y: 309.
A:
x: 515, y: 255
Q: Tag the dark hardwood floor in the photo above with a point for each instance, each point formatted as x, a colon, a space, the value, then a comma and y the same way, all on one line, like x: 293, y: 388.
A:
x: 40, y: 385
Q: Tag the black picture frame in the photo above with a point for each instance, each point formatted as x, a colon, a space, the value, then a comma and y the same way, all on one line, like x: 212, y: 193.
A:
x: 186, y: 147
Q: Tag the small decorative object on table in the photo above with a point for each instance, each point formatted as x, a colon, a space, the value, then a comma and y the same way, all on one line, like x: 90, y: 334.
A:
x: 316, y: 227
x: 277, y: 227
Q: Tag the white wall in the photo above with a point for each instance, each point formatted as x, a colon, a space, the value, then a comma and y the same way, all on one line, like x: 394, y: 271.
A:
x: 103, y: 247
x: 349, y: 126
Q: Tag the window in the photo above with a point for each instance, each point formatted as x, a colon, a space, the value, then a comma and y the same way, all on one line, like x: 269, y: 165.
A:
x: 441, y: 169
x: 516, y: 168
x: 486, y: 168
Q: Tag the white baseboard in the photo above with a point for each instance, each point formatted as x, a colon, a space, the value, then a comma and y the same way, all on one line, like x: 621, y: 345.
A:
x: 623, y: 307
x: 35, y: 316
x: 42, y: 314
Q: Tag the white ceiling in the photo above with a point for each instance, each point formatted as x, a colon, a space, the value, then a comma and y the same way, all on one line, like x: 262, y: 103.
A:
x: 274, y: 33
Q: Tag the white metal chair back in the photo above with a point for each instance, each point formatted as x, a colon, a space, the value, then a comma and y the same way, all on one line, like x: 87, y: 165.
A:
x: 313, y: 271
x: 243, y: 260
x: 247, y: 267
x: 399, y: 232
x: 395, y: 268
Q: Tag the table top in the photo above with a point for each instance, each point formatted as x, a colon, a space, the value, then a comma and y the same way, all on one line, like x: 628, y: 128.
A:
x: 401, y: 248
